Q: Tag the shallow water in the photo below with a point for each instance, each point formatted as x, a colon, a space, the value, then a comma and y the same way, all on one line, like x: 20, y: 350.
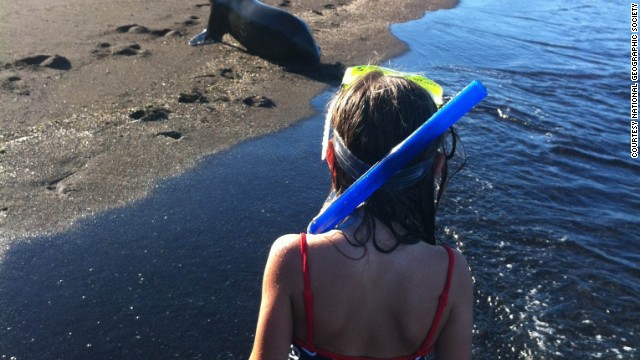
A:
x: 176, y: 275
x: 544, y: 210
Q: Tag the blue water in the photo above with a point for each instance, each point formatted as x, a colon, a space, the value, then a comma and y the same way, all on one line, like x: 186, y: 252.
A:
x: 547, y: 206
x: 545, y: 210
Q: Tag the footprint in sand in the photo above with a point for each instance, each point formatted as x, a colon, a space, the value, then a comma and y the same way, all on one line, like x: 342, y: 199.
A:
x: 102, y: 50
x: 10, y: 81
x: 15, y: 76
x: 56, y: 62
x: 175, y: 135
x: 150, y: 113
x: 193, y: 20
x: 259, y: 101
x: 227, y: 73
x: 193, y: 97
x: 139, y: 29
x: 62, y: 185
x: 105, y: 49
x: 127, y: 50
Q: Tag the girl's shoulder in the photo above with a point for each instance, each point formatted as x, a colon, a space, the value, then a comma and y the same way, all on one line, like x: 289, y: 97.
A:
x: 291, y: 243
x: 286, y: 251
x: 461, y: 279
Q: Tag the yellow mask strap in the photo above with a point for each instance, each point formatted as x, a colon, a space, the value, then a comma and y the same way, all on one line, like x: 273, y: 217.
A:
x: 354, y: 72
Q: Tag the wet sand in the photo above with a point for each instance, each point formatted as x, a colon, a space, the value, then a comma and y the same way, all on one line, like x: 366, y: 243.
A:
x: 100, y: 99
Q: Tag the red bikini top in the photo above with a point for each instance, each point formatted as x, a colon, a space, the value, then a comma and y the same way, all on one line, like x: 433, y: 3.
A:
x: 309, y: 345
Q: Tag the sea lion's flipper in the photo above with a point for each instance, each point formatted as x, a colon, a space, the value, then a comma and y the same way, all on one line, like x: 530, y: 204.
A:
x: 201, y: 39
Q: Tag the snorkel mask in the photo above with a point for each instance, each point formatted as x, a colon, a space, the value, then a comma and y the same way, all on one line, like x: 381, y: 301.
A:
x: 353, y: 73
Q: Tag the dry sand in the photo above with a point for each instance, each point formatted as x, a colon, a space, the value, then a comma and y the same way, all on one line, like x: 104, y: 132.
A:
x: 102, y: 98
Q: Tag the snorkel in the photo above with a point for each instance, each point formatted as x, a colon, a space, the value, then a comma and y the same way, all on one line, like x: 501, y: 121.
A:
x: 398, y: 157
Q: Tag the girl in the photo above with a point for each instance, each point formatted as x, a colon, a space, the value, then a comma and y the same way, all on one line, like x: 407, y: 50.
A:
x: 379, y: 285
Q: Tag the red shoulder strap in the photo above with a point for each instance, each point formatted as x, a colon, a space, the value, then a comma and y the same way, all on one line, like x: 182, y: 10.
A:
x: 442, y: 303
x: 308, y: 297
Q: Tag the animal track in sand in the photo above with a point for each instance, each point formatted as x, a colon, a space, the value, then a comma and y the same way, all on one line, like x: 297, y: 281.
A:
x: 259, y: 101
x: 127, y: 50
x: 175, y: 135
x: 139, y: 29
x: 10, y: 81
x: 16, y: 76
x: 195, y: 96
x: 60, y: 186
x: 193, y: 20
x: 56, y: 62
x: 102, y: 50
x: 227, y: 73
x: 105, y: 49
x: 150, y: 113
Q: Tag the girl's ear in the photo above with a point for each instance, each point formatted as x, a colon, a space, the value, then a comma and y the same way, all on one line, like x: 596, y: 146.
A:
x: 331, y: 158
x: 438, y: 164
x: 330, y: 155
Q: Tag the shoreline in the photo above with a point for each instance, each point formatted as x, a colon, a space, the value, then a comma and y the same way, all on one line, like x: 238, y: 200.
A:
x: 128, y: 103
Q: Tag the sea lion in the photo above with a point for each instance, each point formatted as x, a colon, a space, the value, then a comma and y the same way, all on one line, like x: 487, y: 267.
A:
x: 264, y: 30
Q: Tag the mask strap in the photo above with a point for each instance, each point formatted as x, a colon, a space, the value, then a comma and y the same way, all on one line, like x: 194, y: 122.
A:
x: 355, y: 167
x: 325, y: 135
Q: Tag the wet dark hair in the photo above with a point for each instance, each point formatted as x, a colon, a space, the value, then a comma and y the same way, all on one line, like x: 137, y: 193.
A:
x: 372, y: 116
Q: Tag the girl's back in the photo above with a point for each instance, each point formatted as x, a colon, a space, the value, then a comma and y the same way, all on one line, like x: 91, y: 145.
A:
x: 370, y: 303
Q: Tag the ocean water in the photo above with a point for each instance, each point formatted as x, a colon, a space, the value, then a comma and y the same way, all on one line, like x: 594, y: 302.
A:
x: 545, y: 210
x: 547, y: 206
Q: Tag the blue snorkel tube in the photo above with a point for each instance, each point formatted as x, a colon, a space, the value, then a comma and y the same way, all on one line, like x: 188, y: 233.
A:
x: 397, y: 158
